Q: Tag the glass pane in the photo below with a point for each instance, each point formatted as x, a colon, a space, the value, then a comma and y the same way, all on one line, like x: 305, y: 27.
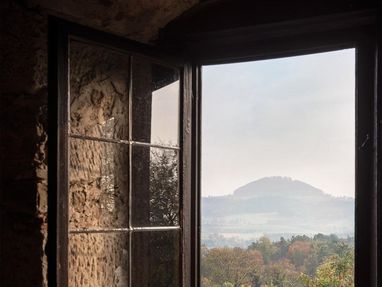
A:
x: 98, y: 179
x: 98, y: 260
x: 278, y: 195
x: 99, y: 85
x: 155, y: 259
x: 155, y: 105
x: 155, y: 186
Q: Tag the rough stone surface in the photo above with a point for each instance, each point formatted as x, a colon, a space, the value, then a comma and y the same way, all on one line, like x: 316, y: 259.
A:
x: 137, y: 19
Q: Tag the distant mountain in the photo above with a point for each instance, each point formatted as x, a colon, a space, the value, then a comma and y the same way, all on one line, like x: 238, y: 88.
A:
x: 277, y: 186
x: 276, y: 206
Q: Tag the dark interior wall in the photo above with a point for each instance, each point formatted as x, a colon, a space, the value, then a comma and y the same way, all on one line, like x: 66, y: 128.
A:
x: 23, y: 114
x: 23, y: 138
x: 231, y: 14
x: 224, y: 31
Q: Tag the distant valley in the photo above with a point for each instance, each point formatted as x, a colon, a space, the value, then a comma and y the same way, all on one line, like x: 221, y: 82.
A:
x: 275, y: 207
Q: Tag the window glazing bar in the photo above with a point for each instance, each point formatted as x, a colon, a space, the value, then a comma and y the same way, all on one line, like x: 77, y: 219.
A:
x: 98, y: 230
x: 83, y: 137
x: 126, y: 142
x: 136, y: 229
x: 155, y: 228
x: 154, y: 145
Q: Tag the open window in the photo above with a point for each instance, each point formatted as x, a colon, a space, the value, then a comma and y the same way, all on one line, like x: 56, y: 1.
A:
x: 249, y: 31
x: 120, y: 168
x: 125, y: 145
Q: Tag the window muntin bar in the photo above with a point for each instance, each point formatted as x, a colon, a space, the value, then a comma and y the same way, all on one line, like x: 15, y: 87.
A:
x: 135, y: 229
x: 122, y: 141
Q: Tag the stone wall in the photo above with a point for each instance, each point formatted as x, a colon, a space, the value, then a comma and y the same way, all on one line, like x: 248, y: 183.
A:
x: 23, y: 114
x: 23, y: 138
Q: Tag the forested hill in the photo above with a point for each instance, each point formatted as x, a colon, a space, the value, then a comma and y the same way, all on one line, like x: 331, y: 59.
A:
x: 277, y: 206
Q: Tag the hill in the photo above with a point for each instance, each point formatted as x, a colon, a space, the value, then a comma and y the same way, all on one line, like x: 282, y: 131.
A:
x: 276, y: 206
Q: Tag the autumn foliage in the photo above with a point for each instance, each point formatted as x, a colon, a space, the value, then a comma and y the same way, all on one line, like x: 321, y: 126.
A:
x: 321, y: 261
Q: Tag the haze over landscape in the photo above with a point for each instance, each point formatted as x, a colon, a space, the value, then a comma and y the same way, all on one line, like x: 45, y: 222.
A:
x: 289, y: 117
x: 278, y: 147
x: 278, y: 144
x: 275, y: 207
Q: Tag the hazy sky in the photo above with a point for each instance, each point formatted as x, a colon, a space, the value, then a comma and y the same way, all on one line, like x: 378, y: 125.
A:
x: 165, y: 115
x: 284, y: 117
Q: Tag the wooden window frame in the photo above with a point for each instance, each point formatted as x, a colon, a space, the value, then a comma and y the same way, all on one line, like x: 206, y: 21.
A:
x: 61, y: 32
x: 321, y: 34
x: 357, y: 30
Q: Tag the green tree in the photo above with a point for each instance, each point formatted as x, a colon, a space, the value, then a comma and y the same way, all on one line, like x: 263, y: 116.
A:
x: 281, y: 249
x: 321, y: 261
x: 266, y: 247
x: 235, y: 266
x: 281, y: 273
x: 335, y: 271
x: 324, y: 246
x: 164, y: 200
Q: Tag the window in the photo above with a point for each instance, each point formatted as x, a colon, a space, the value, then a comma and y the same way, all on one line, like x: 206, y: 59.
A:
x: 123, y: 178
x: 120, y: 188
x: 126, y: 151
x: 300, y: 37
x: 249, y: 45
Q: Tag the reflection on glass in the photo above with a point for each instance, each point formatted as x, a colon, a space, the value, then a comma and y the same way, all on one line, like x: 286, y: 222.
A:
x: 155, y: 259
x: 155, y: 187
x: 155, y: 113
x: 98, y: 179
x: 98, y: 260
x: 99, y: 85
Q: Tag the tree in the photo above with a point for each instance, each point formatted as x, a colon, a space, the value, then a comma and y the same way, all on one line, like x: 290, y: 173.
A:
x: 298, y: 251
x: 164, y: 201
x: 322, y: 261
x: 281, y: 273
x: 324, y: 246
x: 235, y: 266
x: 265, y: 246
x: 281, y: 248
x: 336, y: 271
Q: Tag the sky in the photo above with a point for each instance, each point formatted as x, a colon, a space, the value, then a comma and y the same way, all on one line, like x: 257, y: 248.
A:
x: 292, y: 117
x: 165, y: 115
